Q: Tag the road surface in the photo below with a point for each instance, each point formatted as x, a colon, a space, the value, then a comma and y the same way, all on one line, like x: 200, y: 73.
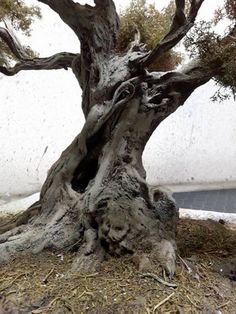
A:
x: 213, y: 200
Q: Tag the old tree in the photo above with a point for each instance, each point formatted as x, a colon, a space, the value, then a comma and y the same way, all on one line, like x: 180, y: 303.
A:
x: 95, y: 199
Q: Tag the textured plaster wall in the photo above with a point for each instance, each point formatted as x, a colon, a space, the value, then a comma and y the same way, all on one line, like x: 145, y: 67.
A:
x: 196, y: 144
x: 37, y: 122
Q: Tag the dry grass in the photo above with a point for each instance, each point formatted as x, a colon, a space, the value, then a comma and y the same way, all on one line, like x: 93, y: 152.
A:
x: 40, y: 284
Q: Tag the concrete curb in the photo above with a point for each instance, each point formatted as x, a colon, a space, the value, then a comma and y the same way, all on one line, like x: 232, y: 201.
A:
x: 196, y: 214
x: 19, y: 205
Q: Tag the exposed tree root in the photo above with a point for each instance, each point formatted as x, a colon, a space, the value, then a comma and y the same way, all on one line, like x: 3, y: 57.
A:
x: 124, y: 226
x: 20, y: 219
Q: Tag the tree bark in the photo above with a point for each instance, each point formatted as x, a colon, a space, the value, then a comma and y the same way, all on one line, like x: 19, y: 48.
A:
x: 96, y: 199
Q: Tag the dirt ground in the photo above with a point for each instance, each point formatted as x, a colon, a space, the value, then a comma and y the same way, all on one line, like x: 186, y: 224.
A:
x: 205, y: 280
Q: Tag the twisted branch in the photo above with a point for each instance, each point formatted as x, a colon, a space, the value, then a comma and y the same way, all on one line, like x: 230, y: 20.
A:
x: 67, y: 10
x: 80, y: 18
x: 61, y: 60
x: 13, y: 44
x: 179, y: 28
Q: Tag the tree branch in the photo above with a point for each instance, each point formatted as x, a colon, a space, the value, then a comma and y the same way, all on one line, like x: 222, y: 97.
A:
x: 90, y: 24
x: 82, y: 17
x: 67, y: 10
x: 61, y: 60
x: 179, y: 28
x: 97, y: 29
x: 191, y: 76
x: 169, y: 91
x: 13, y: 44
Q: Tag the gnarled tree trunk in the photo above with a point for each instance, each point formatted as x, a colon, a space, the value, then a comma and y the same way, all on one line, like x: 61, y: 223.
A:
x: 95, y: 198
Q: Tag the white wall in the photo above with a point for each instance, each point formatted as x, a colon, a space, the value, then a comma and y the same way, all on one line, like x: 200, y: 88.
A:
x: 196, y: 144
x: 40, y: 110
x: 37, y: 112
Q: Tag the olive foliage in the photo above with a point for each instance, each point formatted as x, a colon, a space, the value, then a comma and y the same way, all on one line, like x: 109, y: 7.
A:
x: 202, y: 42
x: 152, y: 25
x: 217, y: 50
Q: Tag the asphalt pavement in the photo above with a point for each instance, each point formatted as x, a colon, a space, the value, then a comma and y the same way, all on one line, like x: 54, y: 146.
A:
x: 212, y: 200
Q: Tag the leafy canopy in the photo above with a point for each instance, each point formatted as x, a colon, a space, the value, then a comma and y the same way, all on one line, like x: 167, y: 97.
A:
x: 216, y: 50
x: 20, y: 17
x: 152, y: 25
x: 202, y: 42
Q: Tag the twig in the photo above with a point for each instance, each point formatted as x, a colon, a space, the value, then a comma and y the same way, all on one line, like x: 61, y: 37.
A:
x: 194, y: 304
x: 45, y: 280
x: 69, y: 248
x: 69, y: 306
x: 162, y: 302
x: 54, y: 301
x: 160, y: 280
x: 113, y: 279
x: 13, y: 281
x: 64, y: 300
x: 84, y: 293
x: 40, y: 310
x: 87, y: 275
x: 222, y: 305
x: 189, y: 269
x: 10, y: 292
x: 147, y: 310
x: 164, y: 273
x: 5, y: 279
